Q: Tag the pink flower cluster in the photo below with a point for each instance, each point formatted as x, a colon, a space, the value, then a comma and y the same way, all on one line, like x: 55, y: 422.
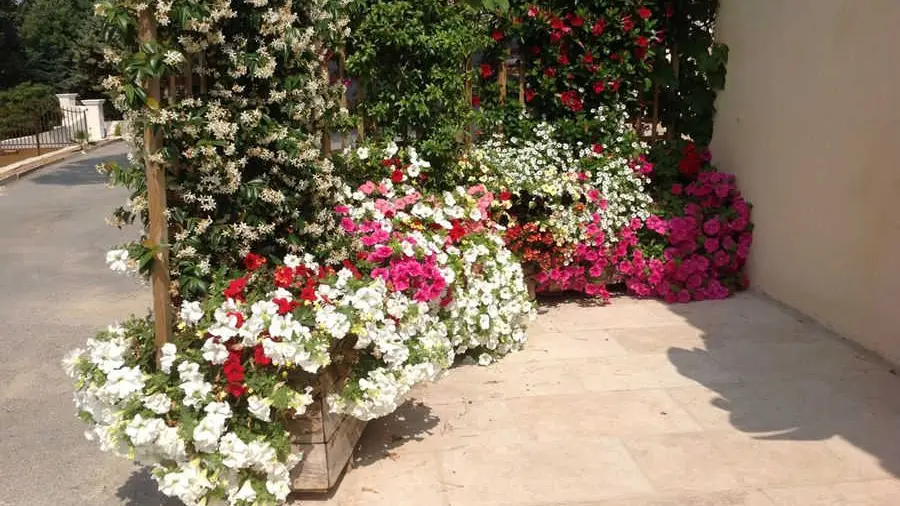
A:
x: 705, y: 249
x: 706, y: 246
x: 409, y: 273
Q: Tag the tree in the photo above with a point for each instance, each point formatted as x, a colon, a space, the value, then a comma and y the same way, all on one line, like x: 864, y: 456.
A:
x: 11, y: 58
x: 50, y: 32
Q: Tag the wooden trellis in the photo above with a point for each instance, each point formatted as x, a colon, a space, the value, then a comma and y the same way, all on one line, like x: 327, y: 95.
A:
x: 326, y: 439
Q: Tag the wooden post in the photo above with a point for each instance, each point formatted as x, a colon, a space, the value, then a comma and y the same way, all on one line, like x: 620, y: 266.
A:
x: 157, y: 233
x: 203, y: 73
x: 342, y: 60
x: 469, y: 96
x: 521, y: 81
x: 188, y: 77
x: 502, y: 80
x: 326, y: 135
x: 655, y: 112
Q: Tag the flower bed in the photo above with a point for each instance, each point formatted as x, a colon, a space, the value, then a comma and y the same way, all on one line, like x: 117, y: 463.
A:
x: 431, y: 279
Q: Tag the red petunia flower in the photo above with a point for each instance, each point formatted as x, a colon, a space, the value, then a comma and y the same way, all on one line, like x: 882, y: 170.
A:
x: 563, y: 59
x: 486, y: 71
x: 555, y: 37
x: 504, y: 195
x: 235, y: 289
x: 497, y: 35
x: 308, y: 293
x: 598, y: 148
x: 253, y: 261
x: 397, y: 176
x: 238, y: 316
x: 236, y: 389
x: 550, y: 71
x: 259, y: 356
x: 532, y: 11
x: 588, y: 58
x: 644, y: 13
x: 627, y: 23
x: 599, y: 86
x: 529, y: 94
x: 284, y: 276
x: 576, y: 21
x: 286, y: 306
x: 598, y: 28
x: 476, y: 101
x: 642, y: 41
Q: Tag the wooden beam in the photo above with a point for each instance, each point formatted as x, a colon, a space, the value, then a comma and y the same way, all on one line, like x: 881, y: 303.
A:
x: 502, y: 80
x: 157, y: 233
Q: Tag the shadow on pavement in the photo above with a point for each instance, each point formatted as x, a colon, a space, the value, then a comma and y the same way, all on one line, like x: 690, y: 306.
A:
x: 798, y: 381
x: 141, y: 490
x: 78, y: 170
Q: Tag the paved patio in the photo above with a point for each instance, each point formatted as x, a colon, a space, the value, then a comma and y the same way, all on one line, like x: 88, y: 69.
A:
x: 728, y: 403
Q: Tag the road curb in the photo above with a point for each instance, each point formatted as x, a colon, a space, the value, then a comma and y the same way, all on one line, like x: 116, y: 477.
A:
x: 16, y: 170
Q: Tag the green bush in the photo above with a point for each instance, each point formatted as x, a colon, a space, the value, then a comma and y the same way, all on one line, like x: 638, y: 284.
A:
x: 24, y: 109
x: 408, y: 57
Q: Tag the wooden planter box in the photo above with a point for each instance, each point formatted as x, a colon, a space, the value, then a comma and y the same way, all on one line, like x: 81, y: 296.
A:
x: 326, y: 439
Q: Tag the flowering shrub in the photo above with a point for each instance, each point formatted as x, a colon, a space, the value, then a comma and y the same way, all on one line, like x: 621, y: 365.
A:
x: 430, y: 278
x: 559, y: 199
x: 242, y: 158
x: 697, y: 246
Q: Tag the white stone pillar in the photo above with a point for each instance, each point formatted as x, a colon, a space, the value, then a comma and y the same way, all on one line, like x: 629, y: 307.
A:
x: 67, y: 102
x: 96, y: 124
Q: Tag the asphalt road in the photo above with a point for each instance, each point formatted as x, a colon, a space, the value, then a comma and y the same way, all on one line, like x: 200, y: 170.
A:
x: 55, y: 292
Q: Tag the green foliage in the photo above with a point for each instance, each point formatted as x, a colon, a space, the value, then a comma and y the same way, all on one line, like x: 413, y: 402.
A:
x: 690, y: 82
x: 11, y: 59
x: 409, y: 59
x: 24, y: 109
x: 51, y: 33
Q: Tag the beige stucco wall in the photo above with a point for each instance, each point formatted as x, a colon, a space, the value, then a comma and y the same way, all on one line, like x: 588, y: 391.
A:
x: 810, y: 123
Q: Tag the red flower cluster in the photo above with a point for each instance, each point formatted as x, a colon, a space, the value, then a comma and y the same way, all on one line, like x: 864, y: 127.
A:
x: 692, y: 160
x: 571, y: 100
x: 234, y: 374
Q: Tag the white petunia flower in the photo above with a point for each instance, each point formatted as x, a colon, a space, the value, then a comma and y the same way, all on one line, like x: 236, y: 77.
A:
x: 158, y: 403
x: 167, y: 357
x: 362, y: 153
x: 214, y: 352
x: 191, y: 312
x: 259, y: 407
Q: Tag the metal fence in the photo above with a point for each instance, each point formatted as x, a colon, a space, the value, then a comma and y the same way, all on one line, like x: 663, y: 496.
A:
x: 47, y: 131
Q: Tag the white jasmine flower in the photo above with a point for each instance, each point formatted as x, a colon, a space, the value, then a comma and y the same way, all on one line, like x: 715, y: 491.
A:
x: 117, y: 260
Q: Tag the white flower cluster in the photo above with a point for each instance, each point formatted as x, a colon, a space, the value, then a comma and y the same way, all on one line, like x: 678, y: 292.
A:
x: 483, y: 309
x: 551, y: 178
x: 256, y: 123
x: 490, y: 315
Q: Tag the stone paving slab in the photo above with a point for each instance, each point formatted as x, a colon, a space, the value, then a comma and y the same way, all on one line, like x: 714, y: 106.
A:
x: 729, y: 403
